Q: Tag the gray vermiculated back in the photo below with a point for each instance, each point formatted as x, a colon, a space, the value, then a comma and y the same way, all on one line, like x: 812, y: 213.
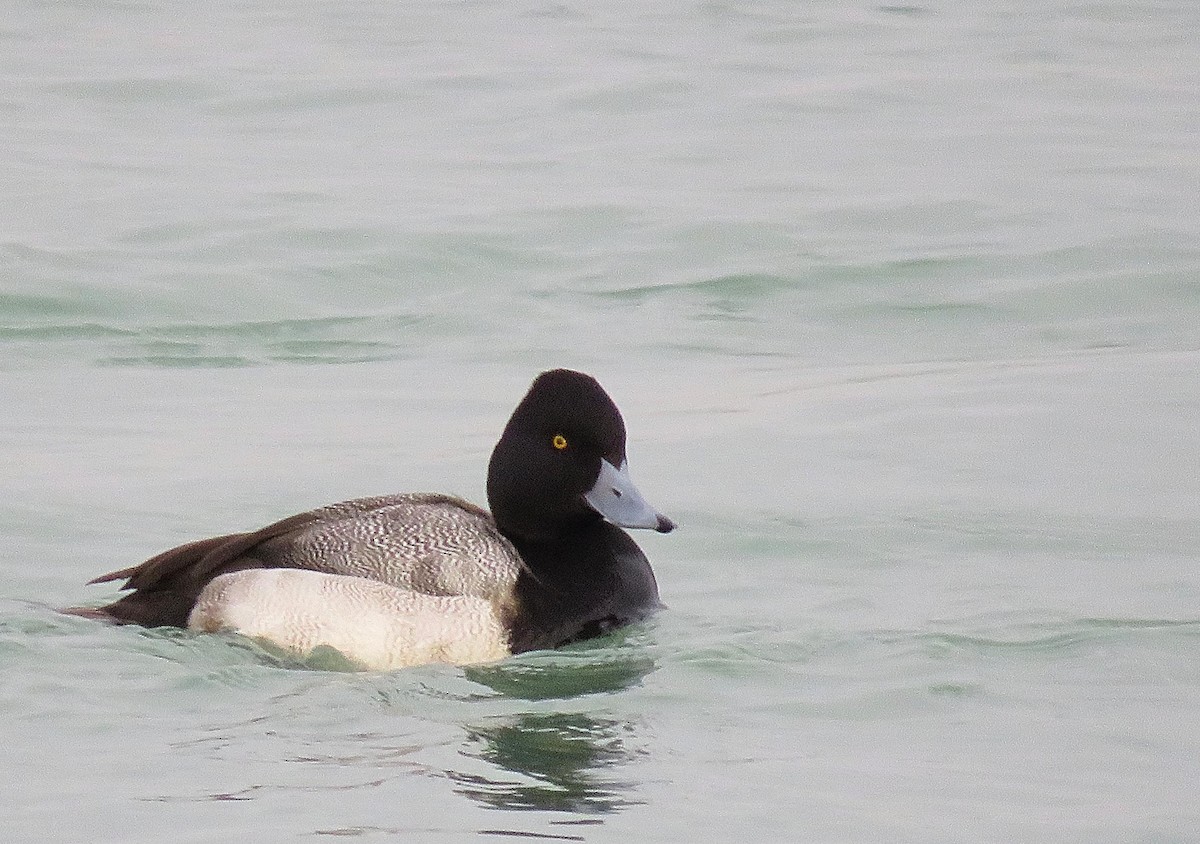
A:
x: 431, y: 543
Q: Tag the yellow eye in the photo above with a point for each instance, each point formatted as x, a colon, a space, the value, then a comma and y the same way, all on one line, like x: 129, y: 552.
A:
x: 559, y: 442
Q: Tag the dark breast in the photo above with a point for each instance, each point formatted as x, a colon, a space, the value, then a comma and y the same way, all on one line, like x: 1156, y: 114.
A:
x: 581, y: 588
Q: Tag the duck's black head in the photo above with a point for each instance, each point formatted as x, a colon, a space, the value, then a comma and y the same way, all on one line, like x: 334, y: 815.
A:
x: 560, y: 463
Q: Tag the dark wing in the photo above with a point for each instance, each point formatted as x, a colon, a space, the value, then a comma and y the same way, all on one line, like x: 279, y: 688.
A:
x: 431, y: 543
x: 202, y: 558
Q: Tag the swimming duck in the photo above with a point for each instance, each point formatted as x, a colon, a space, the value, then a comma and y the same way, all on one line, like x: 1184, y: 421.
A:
x: 412, y: 578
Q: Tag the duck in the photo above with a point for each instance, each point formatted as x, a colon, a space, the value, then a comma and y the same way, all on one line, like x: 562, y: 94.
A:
x: 406, y: 579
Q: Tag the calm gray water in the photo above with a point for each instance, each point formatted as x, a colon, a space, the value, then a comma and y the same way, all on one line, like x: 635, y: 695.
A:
x: 901, y: 304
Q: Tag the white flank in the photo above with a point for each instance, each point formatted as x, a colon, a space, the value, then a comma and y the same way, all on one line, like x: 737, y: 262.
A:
x: 376, y: 625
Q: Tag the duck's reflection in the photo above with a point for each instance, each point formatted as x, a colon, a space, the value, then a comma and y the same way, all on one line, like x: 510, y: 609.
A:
x: 557, y: 761
x: 563, y: 762
x: 565, y: 674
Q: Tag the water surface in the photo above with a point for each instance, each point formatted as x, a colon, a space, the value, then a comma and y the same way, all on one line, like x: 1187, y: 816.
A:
x: 899, y: 303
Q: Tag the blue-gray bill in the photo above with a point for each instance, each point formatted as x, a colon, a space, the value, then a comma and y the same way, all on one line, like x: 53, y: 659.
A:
x: 615, y: 498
